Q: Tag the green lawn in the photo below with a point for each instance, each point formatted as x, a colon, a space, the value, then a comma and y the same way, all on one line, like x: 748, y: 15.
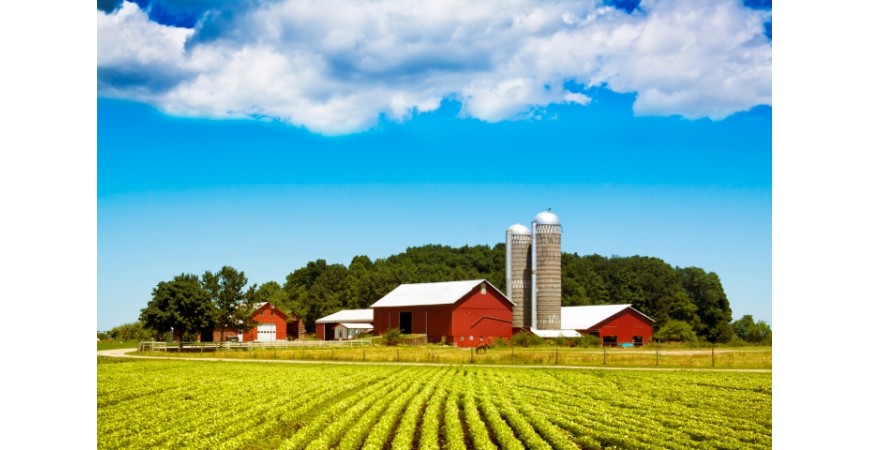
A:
x: 111, y: 345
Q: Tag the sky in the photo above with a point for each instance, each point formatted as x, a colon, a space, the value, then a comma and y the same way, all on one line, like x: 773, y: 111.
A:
x: 265, y: 135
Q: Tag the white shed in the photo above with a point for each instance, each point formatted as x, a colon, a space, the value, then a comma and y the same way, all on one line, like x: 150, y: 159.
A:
x: 351, y: 330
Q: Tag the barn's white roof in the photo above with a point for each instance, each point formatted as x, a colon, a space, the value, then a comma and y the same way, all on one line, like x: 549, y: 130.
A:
x: 584, y: 317
x: 357, y: 326
x: 555, y: 333
x: 441, y: 293
x: 349, y: 316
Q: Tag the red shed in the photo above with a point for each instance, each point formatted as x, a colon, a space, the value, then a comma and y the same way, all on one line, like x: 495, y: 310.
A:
x: 464, y: 313
x: 272, y: 325
x: 613, y: 324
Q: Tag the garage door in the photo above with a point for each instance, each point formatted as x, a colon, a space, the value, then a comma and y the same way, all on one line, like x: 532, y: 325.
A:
x: 266, y: 332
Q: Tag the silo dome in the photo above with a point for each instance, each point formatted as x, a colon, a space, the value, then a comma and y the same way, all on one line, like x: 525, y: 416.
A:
x: 546, y: 218
x: 519, y: 229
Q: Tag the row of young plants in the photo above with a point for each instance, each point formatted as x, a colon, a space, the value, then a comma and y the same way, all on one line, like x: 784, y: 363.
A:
x: 211, y: 405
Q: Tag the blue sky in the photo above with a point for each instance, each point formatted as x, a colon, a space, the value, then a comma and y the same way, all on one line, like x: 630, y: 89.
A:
x: 252, y: 139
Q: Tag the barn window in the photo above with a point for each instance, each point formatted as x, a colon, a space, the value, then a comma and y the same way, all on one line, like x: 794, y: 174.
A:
x: 461, y: 338
x: 638, y: 340
x: 471, y: 338
x: 482, y: 288
x: 610, y: 340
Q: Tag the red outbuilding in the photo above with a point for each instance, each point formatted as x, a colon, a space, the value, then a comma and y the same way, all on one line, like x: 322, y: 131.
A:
x: 272, y: 325
x: 463, y: 313
x: 613, y: 324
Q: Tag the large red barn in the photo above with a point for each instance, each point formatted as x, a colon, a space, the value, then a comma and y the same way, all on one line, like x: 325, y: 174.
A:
x: 464, y: 313
x: 613, y: 324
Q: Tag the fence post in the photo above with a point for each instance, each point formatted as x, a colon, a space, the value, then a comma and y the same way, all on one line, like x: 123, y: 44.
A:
x: 657, y: 356
x: 557, y: 354
x: 604, y: 347
x: 397, y: 354
x: 713, y: 354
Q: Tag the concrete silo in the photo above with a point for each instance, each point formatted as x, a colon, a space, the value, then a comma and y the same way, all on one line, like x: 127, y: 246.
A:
x: 518, y: 248
x: 546, y: 262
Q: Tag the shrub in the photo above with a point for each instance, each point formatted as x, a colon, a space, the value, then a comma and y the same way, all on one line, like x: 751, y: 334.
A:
x: 499, y: 343
x: 526, y: 339
x: 676, y: 331
x: 392, y: 336
x: 587, y: 341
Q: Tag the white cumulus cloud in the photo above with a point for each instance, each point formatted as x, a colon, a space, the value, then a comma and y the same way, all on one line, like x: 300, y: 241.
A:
x: 341, y: 66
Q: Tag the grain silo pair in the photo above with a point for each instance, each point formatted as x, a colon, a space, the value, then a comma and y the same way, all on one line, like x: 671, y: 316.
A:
x: 534, y: 272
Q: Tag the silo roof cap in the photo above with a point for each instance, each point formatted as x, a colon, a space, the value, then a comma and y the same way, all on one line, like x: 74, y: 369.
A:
x: 519, y: 229
x: 546, y: 218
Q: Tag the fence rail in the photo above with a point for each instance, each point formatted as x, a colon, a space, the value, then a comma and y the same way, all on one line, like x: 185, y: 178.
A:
x: 156, y: 346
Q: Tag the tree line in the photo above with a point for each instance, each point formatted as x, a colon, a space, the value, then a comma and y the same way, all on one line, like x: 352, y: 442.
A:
x: 222, y: 300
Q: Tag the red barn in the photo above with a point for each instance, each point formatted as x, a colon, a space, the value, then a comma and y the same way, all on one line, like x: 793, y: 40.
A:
x: 464, y: 313
x: 272, y: 325
x: 613, y: 324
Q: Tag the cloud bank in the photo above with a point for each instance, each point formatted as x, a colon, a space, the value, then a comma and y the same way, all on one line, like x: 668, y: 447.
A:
x: 342, y: 66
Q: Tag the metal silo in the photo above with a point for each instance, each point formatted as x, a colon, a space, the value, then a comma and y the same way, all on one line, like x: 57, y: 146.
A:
x: 518, y: 247
x: 546, y: 271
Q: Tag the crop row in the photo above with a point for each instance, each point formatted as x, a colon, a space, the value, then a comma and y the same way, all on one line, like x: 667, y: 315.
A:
x: 213, y: 405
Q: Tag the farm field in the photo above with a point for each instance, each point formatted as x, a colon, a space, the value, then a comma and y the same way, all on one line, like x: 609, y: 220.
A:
x: 239, y: 405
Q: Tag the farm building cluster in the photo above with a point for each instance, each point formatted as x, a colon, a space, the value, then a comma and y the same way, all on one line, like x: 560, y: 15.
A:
x: 469, y: 313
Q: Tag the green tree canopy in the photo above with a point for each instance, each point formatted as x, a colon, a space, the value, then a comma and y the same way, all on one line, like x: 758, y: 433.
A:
x: 748, y: 330
x: 181, y: 306
x: 676, y: 331
x: 233, y: 309
x: 135, y: 331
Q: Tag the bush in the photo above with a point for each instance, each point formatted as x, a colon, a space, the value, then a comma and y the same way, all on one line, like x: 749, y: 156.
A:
x: 677, y: 331
x: 587, y: 341
x: 392, y: 336
x: 526, y: 339
x: 499, y: 343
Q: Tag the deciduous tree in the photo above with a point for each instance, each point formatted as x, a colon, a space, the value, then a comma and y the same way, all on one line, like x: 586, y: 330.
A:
x: 233, y: 309
x: 181, y: 306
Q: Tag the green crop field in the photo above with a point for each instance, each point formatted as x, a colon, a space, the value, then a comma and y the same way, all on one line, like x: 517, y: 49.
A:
x: 251, y: 405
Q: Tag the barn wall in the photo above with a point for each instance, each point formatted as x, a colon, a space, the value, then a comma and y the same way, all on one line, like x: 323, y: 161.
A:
x: 482, y: 317
x: 625, y: 325
x: 228, y: 333
x: 432, y: 320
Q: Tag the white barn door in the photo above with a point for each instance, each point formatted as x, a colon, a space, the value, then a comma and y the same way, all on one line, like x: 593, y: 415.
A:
x: 266, y: 332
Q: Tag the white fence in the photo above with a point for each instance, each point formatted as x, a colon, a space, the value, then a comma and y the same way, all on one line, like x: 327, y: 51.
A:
x: 153, y: 346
